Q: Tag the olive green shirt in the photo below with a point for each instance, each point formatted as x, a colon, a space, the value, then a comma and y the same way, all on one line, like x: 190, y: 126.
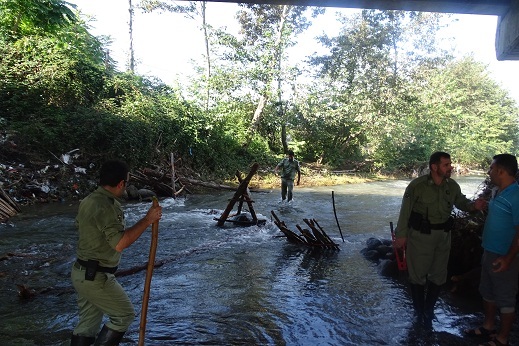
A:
x: 101, y: 225
x: 289, y: 169
x: 434, y: 202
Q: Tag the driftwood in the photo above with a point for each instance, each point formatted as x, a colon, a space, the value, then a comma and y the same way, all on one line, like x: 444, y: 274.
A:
x: 14, y: 254
x: 314, y: 237
x: 8, y: 207
x: 25, y: 292
x: 164, y: 184
x: 42, y: 182
x: 191, y: 181
x: 159, y: 182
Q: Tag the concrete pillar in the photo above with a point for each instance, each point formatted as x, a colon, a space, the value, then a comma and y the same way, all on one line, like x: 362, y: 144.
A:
x: 507, y: 34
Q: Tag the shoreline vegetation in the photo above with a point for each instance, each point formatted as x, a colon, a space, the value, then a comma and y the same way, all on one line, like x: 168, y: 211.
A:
x: 32, y: 182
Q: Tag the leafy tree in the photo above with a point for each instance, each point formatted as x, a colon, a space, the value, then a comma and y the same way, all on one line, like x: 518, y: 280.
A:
x: 20, y: 18
x: 257, y: 57
x: 476, y: 117
x: 45, y: 61
x: 365, y: 91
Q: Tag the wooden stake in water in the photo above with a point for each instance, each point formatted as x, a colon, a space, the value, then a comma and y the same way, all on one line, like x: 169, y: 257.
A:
x: 336, y: 219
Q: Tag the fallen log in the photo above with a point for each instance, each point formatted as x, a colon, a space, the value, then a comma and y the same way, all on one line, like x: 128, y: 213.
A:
x: 187, y: 181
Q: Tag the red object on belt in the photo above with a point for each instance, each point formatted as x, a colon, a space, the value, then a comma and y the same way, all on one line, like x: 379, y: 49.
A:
x: 399, y: 253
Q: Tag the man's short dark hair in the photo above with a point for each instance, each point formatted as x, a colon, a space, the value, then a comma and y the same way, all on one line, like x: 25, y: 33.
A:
x: 112, y: 172
x: 507, y: 162
x: 436, y: 158
x: 290, y: 153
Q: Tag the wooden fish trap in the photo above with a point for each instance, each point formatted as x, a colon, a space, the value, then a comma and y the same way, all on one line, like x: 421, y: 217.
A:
x: 314, y: 237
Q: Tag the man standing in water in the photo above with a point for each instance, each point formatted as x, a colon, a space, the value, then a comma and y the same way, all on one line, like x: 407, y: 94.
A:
x: 289, y: 167
x: 424, y: 228
x: 500, y: 264
x: 102, y: 238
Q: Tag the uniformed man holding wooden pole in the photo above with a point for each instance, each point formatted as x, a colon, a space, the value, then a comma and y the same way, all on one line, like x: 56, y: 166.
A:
x: 102, y: 238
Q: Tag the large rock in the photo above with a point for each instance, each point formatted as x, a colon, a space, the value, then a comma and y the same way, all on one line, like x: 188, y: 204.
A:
x: 140, y: 194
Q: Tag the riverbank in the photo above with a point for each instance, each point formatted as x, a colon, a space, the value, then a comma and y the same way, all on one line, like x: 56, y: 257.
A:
x: 318, y: 177
x: 69, y: 177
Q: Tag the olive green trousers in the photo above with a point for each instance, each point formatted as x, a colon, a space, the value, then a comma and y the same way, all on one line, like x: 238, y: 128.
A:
x: 102, y: 296
x: 428, y: 257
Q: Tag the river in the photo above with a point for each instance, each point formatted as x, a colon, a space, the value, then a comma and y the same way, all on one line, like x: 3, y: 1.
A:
x: 233, y: 285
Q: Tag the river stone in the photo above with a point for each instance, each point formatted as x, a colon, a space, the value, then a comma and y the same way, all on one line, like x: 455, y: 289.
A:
x: 373, y: 243
x: 383, y: 250
x: 388, y: 268
x: 387, y: 242
x: 132, y: 191
x: 145, y: 193
x: 372, y: 255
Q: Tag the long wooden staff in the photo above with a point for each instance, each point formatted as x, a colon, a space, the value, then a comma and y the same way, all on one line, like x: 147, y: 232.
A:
x: 149, y: 273
x: 336, y: 219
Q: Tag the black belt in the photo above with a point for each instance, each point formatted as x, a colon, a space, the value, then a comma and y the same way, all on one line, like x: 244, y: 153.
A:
x: 438, y: 226
x: 80, y: 263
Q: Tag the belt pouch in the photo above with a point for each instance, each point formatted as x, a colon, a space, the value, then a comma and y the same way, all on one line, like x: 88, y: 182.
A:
x: 91, y: 269
x: 425, y: 227
x: 419, y: 223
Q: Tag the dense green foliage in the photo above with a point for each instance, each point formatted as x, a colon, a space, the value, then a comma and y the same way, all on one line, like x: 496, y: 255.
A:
x: 384, y: 97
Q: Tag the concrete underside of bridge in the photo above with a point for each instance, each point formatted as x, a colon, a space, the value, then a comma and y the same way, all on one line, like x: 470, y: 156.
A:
x: 507, y: 31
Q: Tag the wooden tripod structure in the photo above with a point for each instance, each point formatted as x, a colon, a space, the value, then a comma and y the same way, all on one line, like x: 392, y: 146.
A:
x: 241, y: 196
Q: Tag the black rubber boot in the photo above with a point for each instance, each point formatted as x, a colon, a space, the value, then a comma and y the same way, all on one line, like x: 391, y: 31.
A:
x: 108, y: 337
x: 433, y: 292
x: 418, y: 296
x: 78, y: 340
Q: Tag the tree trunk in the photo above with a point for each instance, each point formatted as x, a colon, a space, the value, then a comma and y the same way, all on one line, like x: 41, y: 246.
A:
x: 256, y: 119
x: 132, y: 56
x: 274, y: 68
x: 284, y: 137
x: 207, y: 53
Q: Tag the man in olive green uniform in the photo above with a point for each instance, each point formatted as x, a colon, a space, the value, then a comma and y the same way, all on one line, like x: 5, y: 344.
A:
x: 424, y: 227
x: 102, y: 237
x: 289, y: 168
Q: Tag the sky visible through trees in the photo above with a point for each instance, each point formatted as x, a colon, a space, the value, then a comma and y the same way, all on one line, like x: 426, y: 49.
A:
x: 384, y: 90
x: 165, y: 44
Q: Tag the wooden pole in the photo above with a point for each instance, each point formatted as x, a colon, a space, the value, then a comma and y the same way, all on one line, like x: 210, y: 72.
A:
x: 173, y: 175
x: 239, y: 192
x: 336, y: 219
x: 149, y: 273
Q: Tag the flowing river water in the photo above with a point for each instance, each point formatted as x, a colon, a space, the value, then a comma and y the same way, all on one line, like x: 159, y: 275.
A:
x: 233, y: 285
